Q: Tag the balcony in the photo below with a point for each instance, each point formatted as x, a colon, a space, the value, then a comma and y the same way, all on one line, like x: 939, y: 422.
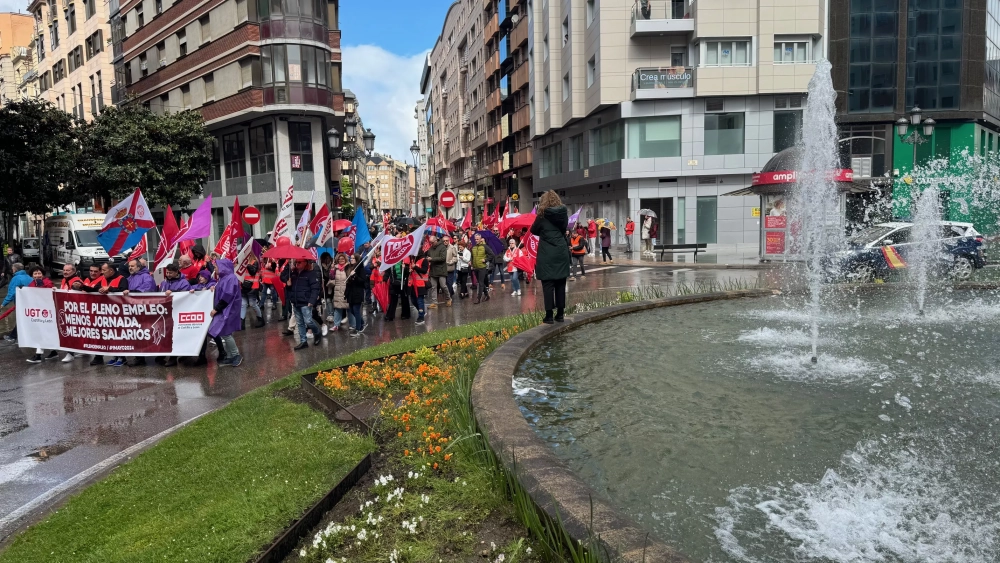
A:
x: 663, y: 83
x: 463, y: 65
x: 522, y: 157
x: 494, y: 135
x: 492, y: 28
x: 465, y: 120
x: 662, y: 17
x: 520, y: 77
x: 495, y: 167
x: 519, y: 34
x: 493, y: 100
x: 522, y: 118
x: 493, y: 63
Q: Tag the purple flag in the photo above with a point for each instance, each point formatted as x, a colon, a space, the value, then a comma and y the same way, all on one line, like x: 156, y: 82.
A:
x: 200, y: 223
x: 574, y: 217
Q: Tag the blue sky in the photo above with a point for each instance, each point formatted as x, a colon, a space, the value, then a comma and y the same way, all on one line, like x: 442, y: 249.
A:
x: 384, y: 45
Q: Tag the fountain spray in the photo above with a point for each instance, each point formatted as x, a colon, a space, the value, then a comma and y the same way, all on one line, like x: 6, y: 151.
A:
x: 925, y: 251
x: 817, y: 210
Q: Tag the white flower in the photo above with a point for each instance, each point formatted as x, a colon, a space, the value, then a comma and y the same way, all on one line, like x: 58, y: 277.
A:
x: 493, y: 546
x: 302, y: 552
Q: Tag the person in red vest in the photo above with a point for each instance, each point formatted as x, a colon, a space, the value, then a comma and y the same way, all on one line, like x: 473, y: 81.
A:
x: 629, y: 229
x: 592, y: 236
x: 416, y: 272
x: 70, y: 281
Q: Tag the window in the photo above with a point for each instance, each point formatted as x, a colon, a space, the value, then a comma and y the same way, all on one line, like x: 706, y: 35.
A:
x: 182, y: 43
x: 591, y: 70
x: 143, y: 66
x: 58, y: 71
x: 94, y: 44
x: 54, y: 35
x: 261, y: 150
x: 727, y: 53
x: 300, y: 146
x: 186, y: 96
x: 707, y: 215
x: 652, y: 137
x: 234, y: 151
x: 681, y: 221
x: 607, y: 144
x: 678, y: 55
x: 873, y: 56
x: 214, y: 175
x: 545, y: 99
x: 75, y: 102
x: 158, y: 7
x: 787, y: 129
x: 75, y: 59
x: 786, y: 52
x: 205, y: 23
x: 93, y: 95
x: 565, y: 86
x: 209, y: 87
x: 161, y: 53
x: 71, y: 19
x: 723, y: 133
x: 576, y: 158
x: 551, y: 163
x: 140, y: 20
x: 590, y: 12
x: 565, y: 31
x: 934, y: 52
x: 545, y: 48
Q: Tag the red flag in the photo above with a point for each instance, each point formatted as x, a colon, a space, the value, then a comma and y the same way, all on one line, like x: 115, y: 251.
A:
x: 467, y: 222
x: 506, y: 210
x: 228, y: 246
x: 185, y: 246
x: 320, y: 218
x: 140, y: 249
x: 166, y: 237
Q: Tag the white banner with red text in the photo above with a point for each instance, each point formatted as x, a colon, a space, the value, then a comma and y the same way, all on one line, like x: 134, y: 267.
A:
x: 147, y: 324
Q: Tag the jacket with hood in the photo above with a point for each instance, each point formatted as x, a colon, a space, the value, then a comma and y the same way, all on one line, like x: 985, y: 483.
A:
x: 207, y: 285
x: 20, y: 279
x: 227, y: 301
x: 179, y: 284
x: 142, y: 282
x: 304, y: 288
x: 553, y: 248
x: 437, y: 255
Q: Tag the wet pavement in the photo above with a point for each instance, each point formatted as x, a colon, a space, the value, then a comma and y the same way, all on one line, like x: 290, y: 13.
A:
x: 64, y: 425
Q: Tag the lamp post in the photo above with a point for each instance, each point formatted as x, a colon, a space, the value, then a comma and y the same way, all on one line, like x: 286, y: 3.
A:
x: 915, y: 137
x: 352, y: 151
x: 415, y: 151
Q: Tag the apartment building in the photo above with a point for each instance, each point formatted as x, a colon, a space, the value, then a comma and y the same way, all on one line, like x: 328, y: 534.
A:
x: 424, y: 192
x: 72, y: 64
x: 17, y: 31
x: 266, y: 77
x: 891, y: 56
x: 391, y: 181
x: 454, y: 89
x: 668, y: 105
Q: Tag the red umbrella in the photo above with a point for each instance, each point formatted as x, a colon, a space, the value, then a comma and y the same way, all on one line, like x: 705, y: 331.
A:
x: 283, y: 249
x: 380, y: 291
x: 522, y: 221
x: 341, y: 224
x: 441, y: 222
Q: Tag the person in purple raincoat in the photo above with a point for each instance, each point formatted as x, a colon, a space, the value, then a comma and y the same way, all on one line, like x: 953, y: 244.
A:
x: 139, y: 281
x: 173, y: 280
x: 205, y: 281
x: 226, y: 313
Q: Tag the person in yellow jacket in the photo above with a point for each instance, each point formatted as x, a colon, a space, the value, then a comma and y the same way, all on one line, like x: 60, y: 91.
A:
x: 483, y: 258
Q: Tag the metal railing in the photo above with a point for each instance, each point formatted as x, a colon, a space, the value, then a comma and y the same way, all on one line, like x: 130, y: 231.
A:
x: 662, y: 9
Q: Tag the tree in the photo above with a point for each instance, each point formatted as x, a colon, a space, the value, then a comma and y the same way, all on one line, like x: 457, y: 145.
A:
x: 39, y: 154
x: 167, y: 156
x: 346, y: 197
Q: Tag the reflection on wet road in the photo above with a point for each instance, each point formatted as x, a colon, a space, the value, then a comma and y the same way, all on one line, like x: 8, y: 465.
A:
x: 58, y: 420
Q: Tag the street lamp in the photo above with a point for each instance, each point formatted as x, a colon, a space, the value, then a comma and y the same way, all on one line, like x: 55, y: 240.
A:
x: 916, y: 137
x: 415, y: 151
x: 352, y: 151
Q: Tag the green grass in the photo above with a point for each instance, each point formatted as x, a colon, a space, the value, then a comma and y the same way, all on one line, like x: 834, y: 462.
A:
x: 217, y: 490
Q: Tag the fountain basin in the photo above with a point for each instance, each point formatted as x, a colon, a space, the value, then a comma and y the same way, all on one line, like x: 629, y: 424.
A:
x: 708, y: 425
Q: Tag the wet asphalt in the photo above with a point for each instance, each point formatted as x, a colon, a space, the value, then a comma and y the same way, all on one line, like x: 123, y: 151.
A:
x: 64, y: 425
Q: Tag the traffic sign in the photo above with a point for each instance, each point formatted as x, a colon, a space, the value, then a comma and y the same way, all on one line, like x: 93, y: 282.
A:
x: 447, y: 199
x: 251, y: 215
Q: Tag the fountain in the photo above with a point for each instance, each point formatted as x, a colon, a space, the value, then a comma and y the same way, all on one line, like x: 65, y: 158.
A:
x: 841, y: 425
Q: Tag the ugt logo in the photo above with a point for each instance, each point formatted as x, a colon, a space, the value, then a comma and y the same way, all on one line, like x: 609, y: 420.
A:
x: 36, y: 313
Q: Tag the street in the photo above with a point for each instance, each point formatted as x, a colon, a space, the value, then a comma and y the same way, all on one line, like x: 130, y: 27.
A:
x: 64, y: 425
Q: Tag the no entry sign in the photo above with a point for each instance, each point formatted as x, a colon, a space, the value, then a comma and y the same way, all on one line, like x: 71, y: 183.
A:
x: 447, y: 199
x: 251, y: 215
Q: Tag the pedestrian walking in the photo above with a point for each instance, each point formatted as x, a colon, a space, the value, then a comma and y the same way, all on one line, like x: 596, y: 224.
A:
x: 592, y: 236
x: 509, y: 255
x: 303, y: 292
x: 452, y: 261
x: 336, y: 289
x: 647, y: 226
x: 462, y: 267
x: 629, y: 230
x: 417, y: 271
x: 250, y: 293
x: 354, y: 293
x: 437, y: 256
x: 552, y: 266
x: 482, y: 259
x: 606, y: 244
x: 578, y: 250
x: 398, y: 293
x: 226, y: 312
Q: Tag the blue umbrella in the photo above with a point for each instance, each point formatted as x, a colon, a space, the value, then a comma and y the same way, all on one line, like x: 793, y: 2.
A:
x: 492, y: 241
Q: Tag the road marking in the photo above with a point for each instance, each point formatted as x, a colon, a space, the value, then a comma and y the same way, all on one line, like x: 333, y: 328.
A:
x: 589, y: 270
x: 682, y: 270
x: 635, y: 270
x: 82, y: 476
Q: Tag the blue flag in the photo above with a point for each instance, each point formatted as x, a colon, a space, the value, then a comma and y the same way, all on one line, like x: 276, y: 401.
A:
x: 361, y: 232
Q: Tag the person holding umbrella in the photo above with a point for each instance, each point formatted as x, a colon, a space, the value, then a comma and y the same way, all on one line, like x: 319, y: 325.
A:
x: 552, y: 267
x: 303, y: 294
x: 606, y: 243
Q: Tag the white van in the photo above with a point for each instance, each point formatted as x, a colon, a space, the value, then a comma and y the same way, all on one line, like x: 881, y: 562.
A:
x: 29, y: 249
x: 72, y: 239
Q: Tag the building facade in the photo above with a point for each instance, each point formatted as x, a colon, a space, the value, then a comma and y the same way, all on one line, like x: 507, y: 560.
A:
x: 17, y: 33
x: 668, y: 105
x: 424, y: 193
x: 266, y: 77
x: 72, y: 63
x: 454, y: 89
x: 391, y: 181
x: 890, y: 56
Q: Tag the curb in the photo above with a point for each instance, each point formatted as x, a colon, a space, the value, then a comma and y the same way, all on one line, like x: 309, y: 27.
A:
x: 553, y: 487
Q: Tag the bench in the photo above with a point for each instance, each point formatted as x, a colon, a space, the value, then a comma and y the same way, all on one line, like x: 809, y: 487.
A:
x: 677, y: 248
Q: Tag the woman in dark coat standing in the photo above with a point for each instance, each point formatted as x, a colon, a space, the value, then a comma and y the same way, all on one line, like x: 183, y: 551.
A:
x: 552, y: 266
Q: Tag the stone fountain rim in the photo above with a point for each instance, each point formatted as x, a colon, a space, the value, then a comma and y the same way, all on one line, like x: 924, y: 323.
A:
x: 552, y: 485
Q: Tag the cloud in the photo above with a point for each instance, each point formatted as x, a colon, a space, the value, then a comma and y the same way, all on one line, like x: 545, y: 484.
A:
x: 387, y: 87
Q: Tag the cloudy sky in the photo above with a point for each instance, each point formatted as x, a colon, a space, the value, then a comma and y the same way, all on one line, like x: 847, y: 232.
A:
x: 384, y: 45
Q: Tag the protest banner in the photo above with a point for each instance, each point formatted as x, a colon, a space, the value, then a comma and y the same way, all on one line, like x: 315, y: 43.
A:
x: 148, y: 324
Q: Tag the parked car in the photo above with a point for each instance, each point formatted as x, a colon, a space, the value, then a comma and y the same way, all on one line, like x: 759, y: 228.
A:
x: 887, y: 247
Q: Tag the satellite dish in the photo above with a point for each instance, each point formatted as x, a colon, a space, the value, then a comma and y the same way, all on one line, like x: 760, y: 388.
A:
x: 514, y: 18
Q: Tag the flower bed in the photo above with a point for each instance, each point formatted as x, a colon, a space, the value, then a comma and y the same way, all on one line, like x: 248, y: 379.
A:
x: 431, y: 497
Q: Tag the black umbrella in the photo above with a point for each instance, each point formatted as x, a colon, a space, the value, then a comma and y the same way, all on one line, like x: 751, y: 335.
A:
x: 406, y: 222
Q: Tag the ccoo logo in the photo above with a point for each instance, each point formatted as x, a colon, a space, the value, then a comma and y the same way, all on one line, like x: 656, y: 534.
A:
x: 191, y: 318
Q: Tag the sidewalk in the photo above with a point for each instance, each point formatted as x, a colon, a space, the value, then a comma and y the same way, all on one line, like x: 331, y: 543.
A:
x: 721, y: 258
